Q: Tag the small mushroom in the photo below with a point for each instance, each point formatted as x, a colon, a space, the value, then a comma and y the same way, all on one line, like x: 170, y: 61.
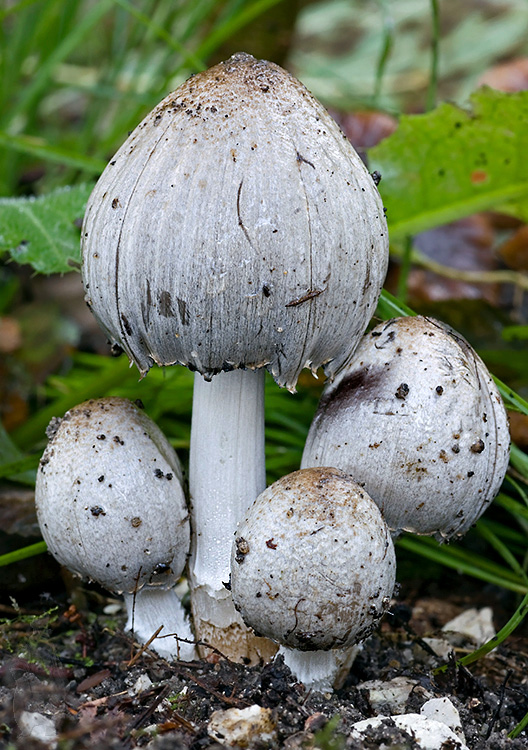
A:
x: 416, y: 419
x: 111, y: 508
x: 235, y: 229
x: 313, y: 568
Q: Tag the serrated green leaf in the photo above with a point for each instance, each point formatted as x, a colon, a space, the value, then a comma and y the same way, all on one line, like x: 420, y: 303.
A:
x: 44, y: 231
x: 451, y: 162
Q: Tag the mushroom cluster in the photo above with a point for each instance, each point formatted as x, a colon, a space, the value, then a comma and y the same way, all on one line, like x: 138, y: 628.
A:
x: 237, y: 230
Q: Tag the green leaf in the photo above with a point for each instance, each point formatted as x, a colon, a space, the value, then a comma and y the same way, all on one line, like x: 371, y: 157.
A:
x: 13, y: 463
x: 44, y: 231
x: 9, y: 453
x: 515, y: 333
x: 451, y: 162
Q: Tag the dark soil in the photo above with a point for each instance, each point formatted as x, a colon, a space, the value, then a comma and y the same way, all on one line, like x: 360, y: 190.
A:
x: 77, y: 667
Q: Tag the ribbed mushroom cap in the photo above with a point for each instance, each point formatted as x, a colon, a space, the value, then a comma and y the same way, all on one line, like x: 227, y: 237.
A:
x: 313, y: 563
x: 236, y: 227
x: 109, y: 498
x: 416, y: 418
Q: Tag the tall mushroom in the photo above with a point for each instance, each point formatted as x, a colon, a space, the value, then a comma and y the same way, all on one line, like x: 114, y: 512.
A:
x: 416, y: 418
x: 111, y: 508
x: 235, y: 229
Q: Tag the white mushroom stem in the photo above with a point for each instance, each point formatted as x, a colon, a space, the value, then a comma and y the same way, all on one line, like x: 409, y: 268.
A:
x: 226, y: 474
x: 320, y: 670
x: 150, y: 608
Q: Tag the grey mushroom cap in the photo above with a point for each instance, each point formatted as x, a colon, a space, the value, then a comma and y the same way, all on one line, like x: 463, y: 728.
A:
x: 313, y: 563
x: 236, y: 227
x: 109, y: 498
x: 416, y: 418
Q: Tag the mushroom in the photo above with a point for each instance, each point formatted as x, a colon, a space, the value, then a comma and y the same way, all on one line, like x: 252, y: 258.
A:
x: 313, y: 568
x: 111, y: 508
x: 235, y: 229
x: 416, y: 419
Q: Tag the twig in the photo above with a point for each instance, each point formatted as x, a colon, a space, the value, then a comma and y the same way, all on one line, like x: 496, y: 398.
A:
x: 147, y: 713
x: 497, y: 711
x: 225, y: 698
x: 144, y: 647
x: 501, y: 276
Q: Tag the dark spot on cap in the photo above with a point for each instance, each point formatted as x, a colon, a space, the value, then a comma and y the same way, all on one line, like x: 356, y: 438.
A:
x: 359, y: 386
x: 126, y: 324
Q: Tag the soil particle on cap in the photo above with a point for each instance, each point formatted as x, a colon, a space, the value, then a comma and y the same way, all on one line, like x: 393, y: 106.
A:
x: 242, y: 549
x: 402, y: 391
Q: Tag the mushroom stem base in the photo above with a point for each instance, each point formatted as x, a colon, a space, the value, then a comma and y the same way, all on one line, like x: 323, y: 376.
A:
x: 226, y: 474
x: 222, y: 628
x: 320, y: 670
x: 147, y: 609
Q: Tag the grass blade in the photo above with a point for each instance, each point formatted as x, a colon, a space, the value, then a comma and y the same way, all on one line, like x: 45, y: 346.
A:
x: 31, y: 550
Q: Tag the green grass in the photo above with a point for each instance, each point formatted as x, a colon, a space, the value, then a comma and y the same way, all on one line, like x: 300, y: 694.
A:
x: 76, y: 76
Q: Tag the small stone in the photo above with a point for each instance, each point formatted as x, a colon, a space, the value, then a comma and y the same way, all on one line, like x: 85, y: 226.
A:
x: 476, y: 624
x: 441, y: 647
x: 38, y: 727
x: 315, y: 722
x: 388, y: 696
x: 142, y: 684
x: 242, y: 727
x: 428, y: 733
x: 441, y: 709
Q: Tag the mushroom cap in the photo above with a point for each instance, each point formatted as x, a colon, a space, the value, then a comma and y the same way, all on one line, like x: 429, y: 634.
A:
x: 416, y: 418
x: 109, y: 498
x: 236, y: 227
x: 313, y: 563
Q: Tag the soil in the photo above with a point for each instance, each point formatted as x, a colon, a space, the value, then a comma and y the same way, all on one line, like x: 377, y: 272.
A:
x: 76, y: 666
